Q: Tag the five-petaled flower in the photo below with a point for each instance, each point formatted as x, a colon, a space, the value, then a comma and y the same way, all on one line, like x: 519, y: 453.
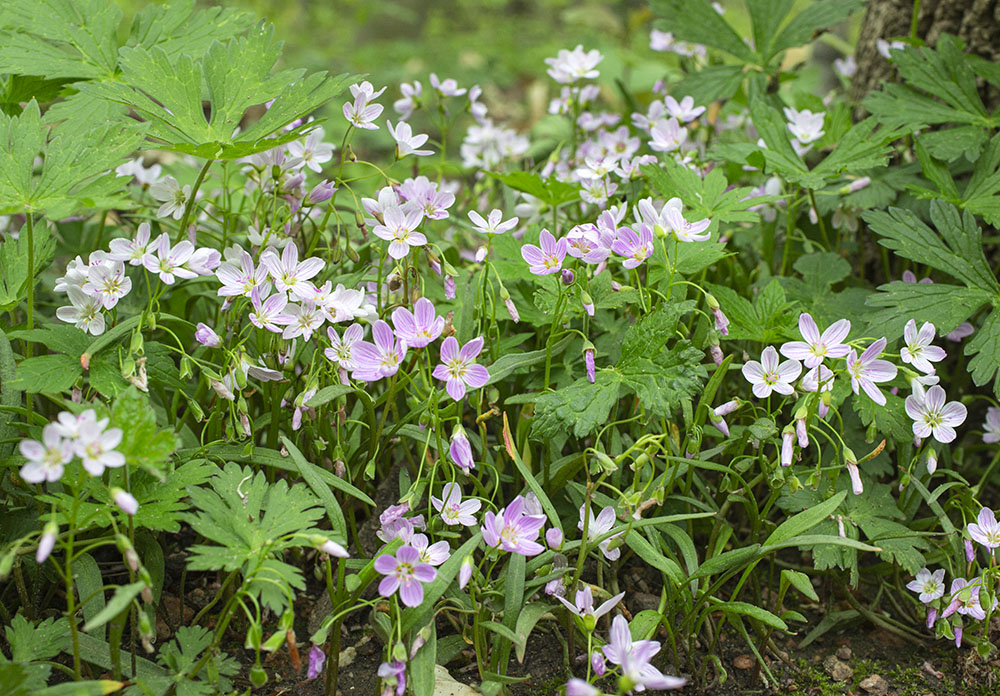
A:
x: 453, y: 509
x: 985, y: 530
x: 929, y: 586
x: 918, y: 350
x: 513, y: 530
x: 547, y: 257
x: 816, y: 347
x: 458, y: 368
x: 867, y: 370
x: 933, y: 416
x: 768, y: 375
x: 404, y: 572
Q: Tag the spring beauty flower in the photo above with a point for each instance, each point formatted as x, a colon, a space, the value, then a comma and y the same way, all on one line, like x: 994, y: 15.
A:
x: 918, y: 350
x: 172, y: 195
x: 206, y: 336
x: 314, y: 153
x: 168, y: 261
x: 316, y: 660
x: 460, y: 450
x: 933, y: 416
x: 381, y: 358
x: 46, y: 542
x: 579, y: 687
x: 240, y: 282
x: 303, y: 319
x: 583, y: 606
x: 512, y: 530
x: 453, y: 509
x: 929, y: 586
x: 867, y: 370
x: 361, y: 113
x: 420, y: 327
x: 399, y: 229
x: 600, y: 526
x: 546, y: 258
x: 340, y: 350
x: 269, y: 313
x: 768, y: 375
x: 991, y: 427
x: 96, y: 444
x: 458, y: 368
x: 964, y: 595
x: 410, y: 100
x: 685, y: 110
x: 633, y: 657
x: 686, y: 231
x: 432, y: 554
x: 494, y: 222
x: 805, y: 125
x: 84, y: 311
x: 288, y: 273
x: 404, y: 572
x: 46, y: 459
x: 985, y: 530
x: 125, y: 501
x: 816, y: 347
x: 570, y: 66
x: 406, y: 142
x: 393, y: 674
x: 635, y: 248
x: 131, y: 250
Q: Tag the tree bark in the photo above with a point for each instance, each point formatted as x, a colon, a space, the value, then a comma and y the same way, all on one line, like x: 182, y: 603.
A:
x: 977, y: 22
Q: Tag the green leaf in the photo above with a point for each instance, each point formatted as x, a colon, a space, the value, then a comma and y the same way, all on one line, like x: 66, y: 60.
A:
x: 48, y: 374
x: 510, y: 363
x: 420, y: 616
x: 803, y: 28
x: 309, y: 472
x: 800, y: 581
x: 985, y: 349
x: 166, y: 91
x: 698, y: 22
x: 726, y: 561
x: 945, y: 306
x: 712, y: 83
x: 647, y: 337
x: 667, y: 379
x: 422, y: 665
x: 951, y: 143
x: 649, y: 554
x: 78, y: 163
x: 120, y: 601
x: 89, y: 588
x: 767, y: 320
x: 805, y: 520
x: 10, y: 398
x: 31, y: 643
x: 549, y: 190
x: 328, y: 394
x: 143, y: 444
x: 580, y: 408
x: 956, y: 248
x: 890, y: 420
x: 822, y: 269
x: 529, y: 616
x: 14, y: 269
x: 754, y: 612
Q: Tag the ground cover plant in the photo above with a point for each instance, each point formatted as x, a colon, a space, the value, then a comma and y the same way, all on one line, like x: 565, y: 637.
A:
x: 330, y: 351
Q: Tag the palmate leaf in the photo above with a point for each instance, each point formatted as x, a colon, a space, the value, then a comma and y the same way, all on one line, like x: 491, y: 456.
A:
x: 77, y: 171
x: 709, y: 197
x: 945, y: 75
x: 167, y: 94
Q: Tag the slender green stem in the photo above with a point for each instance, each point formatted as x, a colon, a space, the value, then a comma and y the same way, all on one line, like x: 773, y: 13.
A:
x: 192, y: 199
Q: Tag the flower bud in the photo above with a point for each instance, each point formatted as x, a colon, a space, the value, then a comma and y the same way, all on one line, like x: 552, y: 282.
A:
x: 932, y: 461
x: 322, y: 192
x: 332, y: 548
x: 855, y: 185
x: 568, y: 276
x: 465, y: 572
x: 970, y: 551
x: 717, y: 355
x: 206, y: 336
x: 851, y: 462
x: 449, y: 287
x: 47, y: 542
x: 512, y: 310
x: 125, y: 501
x: 958, y: 636
x: 719, y: 422
x: 588, y: 303
x: 147, y: 595
x: 727, y: 408
x: 931, y: 616
x: 554, y: 537
x: 480, y: 254
x: 800, y: 428
x: 588, y: 359
x: 787, y: 440
x: 721, y: 321
x: 597, y: 663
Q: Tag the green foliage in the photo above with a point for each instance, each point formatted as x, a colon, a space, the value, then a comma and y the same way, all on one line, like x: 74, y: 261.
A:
x: 143, y: 444
x: 35, y: 642
x: 167, y: 93
x: 768, y: 319
x: 181, y: 654
x: 14, y: 269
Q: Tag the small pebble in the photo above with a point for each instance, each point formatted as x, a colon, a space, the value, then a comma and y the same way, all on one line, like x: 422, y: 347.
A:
x: 838, y: 671
x: 743, y: 662
x: 844, y: 653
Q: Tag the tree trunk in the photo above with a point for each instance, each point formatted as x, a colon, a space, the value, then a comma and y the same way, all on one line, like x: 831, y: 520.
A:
x: 977, y: 22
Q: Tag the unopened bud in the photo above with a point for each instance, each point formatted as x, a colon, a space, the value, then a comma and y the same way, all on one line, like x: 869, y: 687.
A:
x: 125, y: 501
x: 554, y: 537
x: 567, y: 276
x: 465, y: 572
x: 47, y: 542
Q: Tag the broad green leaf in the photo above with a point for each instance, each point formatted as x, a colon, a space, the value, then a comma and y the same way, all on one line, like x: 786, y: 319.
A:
x: 143, y: 443
x: 550, y: 190
x: 309, y: 473
x: 510, y: 363
x: 32, y: 643
x: 817, y: 16
x: 328, y: 394
x: 805, y: 520
x: 579, y: 408
x: 119, y: 602
x: 698, y: 22
x: 726, y: 561
x: 800, y: 581
x: 422, y: 665
x: 649, y: 554
x: 890, y: 420
x: 48, y: 374
x: 89, y: 588
x: 665, y: 380
x: 945, y: 306
x: 984, y: 348
x: 754, y: 612
x: 822, y: 269
x: 529, y: 616
x: 14, y: 265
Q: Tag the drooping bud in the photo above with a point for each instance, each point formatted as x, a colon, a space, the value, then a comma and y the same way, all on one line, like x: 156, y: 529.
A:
x: 588, y: 359
x: 727, y: 408
x: 597, y: 663
x: 851, y: 462
x: 47, y: 542
x: 332, y: 548
x: 855, y: 185
x: 465, y: 572
x: 480, y: 254
x: 800, y: 428
x: 717, y: 354
x: 970, y: 551
x: 588, y: 303
x: 322, y: 192
x: 206, y: 336
x: 449, y: 287
x: 931, y: 617
x: 787, y: 440
x: 932, y: 461
x: 511, y: 308
x: 567, y: 276
x: 125, y: 501
x: 554, y: 537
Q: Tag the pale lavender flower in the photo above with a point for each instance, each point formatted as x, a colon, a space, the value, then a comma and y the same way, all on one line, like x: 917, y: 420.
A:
x: 546, y: 258
x: 554, y: 538
x: 929, y: 586
x: 458, y: 369
x: 963, y: 330
x: 288, y: 273
x: 806, y: 126
x: 686, y: 231
x: 317, y: 658
x: 420, y: 327
x: 453, y: 509
x: 588, y: 361
x: 578, y: 687
x: 600, y: 526
x: 423, y: 195
x: 918, y: 350
x: 597, y: 663
x: 46, y: 543
x: 933, y: 416
x: 985, y: 530
x: 125, y: 501
x: 381, y: 358
x: 46, y: 459
x: 493, y: 223
x: 465, y: 572
x: 867, y: 370
x: 269, y: 313
x: 447, y: 87
x: 206, y: 336
x: 342, y: 304
x: 787, y: 445
x: 240, y: 282
x: 314, y: 152
x: 331, y: 548
x: 970, y: 550
x: 510, y: 529
x: 404, y: 572
x: 635, y: 248
x: 570, y: 66
x: 845, y: 66
x: 131, y: 250
x: 667, y: 135
x: 461, y: 451
x: 964, y: 596
x: 817, y: 379
x: 168, y: 261
x: 406, y: 142
x: 321, y: 193
x: 768, y: 375
x: 96, y: 447
x: 816, y: 347
x: 84, y: 311
x: 340, y: 350
x: 633, y: 657
x: 685, y: 110
x: 173, y: 197
x: 410, y: 101
x: 399, y: 229
x: 991, y: 427
x: 449, y: 288
x: 303, y: 319
x: 583, y: 605
x: 361, y: 113
x: 432, y: 554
